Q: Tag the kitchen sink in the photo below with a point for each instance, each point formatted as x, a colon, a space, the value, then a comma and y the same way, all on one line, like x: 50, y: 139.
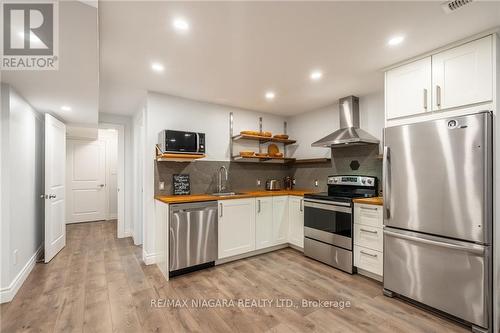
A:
x: 225, y: 194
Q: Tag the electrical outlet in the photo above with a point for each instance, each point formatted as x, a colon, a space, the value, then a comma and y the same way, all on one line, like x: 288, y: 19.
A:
x: 316, y: 183
x: 258, y: 182
x: 161, y: 185
x: 14, y: 256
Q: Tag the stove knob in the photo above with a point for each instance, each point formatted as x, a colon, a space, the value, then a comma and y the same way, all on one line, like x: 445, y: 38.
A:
x: 363, y: 181
x: 369, y: 181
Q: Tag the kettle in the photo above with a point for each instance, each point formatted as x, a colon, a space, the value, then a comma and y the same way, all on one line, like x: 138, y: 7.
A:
x: 288, y: 183
x: 273, y: 185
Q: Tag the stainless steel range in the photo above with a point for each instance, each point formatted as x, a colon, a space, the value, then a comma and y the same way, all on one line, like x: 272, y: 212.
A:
x: 328, y: 223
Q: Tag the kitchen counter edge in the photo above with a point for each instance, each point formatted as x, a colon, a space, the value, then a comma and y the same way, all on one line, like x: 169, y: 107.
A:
x: 171, y: 199
x: 379, y: 201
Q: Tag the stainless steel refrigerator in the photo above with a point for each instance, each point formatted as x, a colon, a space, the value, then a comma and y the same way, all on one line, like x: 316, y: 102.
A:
x: 438, y: 215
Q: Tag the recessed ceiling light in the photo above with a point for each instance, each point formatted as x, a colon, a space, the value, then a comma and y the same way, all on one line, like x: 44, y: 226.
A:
x: 396, y: 40
x: 316, y: 75
x: 66, y: 108
x: 157, y: 67
x: 180, y: 24
x: 270, y: 95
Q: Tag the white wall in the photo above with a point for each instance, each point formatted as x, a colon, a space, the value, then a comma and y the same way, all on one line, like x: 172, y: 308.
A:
x: 22, y: 185
x: 309, y: 127
x: 169, y: 112
x: 126, y: 122
x: 110, y: 136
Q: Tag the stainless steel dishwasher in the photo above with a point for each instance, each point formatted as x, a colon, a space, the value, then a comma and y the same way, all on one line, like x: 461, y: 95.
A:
x: 192, y: 236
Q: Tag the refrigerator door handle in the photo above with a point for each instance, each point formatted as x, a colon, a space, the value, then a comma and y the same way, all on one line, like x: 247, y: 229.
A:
x: 470, y: 248
x: 387, y: 186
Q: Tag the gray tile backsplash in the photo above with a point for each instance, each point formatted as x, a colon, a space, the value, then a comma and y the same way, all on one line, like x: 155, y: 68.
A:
x: 243, y: 176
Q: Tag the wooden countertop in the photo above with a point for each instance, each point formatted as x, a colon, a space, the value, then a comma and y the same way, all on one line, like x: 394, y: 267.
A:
x: 370, y: 201
x: 170, y: 199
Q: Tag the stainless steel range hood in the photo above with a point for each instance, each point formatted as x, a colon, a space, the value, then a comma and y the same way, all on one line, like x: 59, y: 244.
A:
x: 349, y: 132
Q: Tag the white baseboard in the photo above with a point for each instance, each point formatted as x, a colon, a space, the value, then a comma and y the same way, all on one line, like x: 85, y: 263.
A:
x: 8, y: 293
x: 148, y: 258
x: 112, y: 217
x: 128, y: 233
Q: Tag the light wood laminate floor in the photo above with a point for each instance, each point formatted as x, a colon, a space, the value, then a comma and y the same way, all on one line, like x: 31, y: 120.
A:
x: 98, y: 283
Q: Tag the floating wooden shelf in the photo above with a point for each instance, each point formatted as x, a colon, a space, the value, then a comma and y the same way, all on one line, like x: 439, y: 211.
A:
x: 262, y: 139
x: 282, y: 160
x: 178, y: 157
x: 312, y: 160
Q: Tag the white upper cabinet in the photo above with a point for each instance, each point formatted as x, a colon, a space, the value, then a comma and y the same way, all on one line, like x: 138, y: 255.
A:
x: 264, y: 223
x: 296, y: 221
x: 463, y: 75
x: 408, y: 89
x: 236, y: 229
x: 280, y: 220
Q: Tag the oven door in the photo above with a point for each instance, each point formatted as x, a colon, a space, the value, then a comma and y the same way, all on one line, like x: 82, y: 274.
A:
x: 328, y: 222
x: 181, y: 142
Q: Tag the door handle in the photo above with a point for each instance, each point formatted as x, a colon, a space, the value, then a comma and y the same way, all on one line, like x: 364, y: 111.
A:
x: 301, y: 205
x: 425, y: 99
x: 368, y: 208
x: 387, y: 186
x: 221, y: 210
x: 438, y: 95
x: 258, y: 206
x: 471, y: 248
x: 101, y: 185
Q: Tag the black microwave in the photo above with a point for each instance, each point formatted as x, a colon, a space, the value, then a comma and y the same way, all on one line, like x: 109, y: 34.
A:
x: 181, y: 142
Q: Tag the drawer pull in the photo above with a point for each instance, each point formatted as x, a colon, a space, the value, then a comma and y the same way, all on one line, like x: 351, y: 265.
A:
x: 370, y: 231
x: 368, y: 254
x: 368, y: 208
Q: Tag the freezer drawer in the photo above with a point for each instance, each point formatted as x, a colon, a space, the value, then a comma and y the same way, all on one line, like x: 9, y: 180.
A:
x: 448, y: 275
x: 329, y: 254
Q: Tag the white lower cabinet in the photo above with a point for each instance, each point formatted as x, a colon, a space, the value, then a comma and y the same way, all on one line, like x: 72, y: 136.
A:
x: 236, y: 228
x: 296, y: 221
x: 369, y: 260
x: 369, y: 240
x: 280, y: 220
x: 264, y: 223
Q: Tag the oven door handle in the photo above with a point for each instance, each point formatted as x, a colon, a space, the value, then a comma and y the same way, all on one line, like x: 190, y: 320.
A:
x: 345, y: 204
x: 332, y: 208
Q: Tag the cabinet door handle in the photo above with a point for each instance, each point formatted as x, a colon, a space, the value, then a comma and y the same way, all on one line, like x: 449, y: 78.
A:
x: 368, y: 254
x: 370, y: 231
x: 221, y: 210
x: 425, y: 99
x: 258, y: 206
x: 301, y: 205
x: 438, y: 95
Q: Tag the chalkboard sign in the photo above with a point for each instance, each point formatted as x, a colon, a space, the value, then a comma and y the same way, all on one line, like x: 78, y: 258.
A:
x: 181, y: 184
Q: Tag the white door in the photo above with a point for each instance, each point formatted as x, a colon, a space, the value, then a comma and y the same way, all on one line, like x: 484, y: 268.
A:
x: 408, y: 89
x: 463, y: 75
x: 86, y: 165
x: 280, y: 220
x: 296, y: 221
x: 236, y: 227
x: 55, y: 164
x: 264, y: 223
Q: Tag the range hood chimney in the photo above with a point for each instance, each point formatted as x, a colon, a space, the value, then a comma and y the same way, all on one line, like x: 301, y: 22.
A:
x: 349, y: 133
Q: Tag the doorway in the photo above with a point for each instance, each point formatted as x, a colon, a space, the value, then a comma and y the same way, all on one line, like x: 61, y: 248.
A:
x: 92, y: 177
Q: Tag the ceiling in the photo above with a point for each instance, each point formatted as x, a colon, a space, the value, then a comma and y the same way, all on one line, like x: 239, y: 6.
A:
x: 235, y: 51
x: 75, y: 84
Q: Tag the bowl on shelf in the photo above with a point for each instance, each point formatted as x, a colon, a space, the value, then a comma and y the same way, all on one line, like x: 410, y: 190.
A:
x: 255, y: 133
x: 247, y: 153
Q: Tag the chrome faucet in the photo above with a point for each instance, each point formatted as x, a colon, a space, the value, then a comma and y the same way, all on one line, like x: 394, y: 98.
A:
x: 220, y: 187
